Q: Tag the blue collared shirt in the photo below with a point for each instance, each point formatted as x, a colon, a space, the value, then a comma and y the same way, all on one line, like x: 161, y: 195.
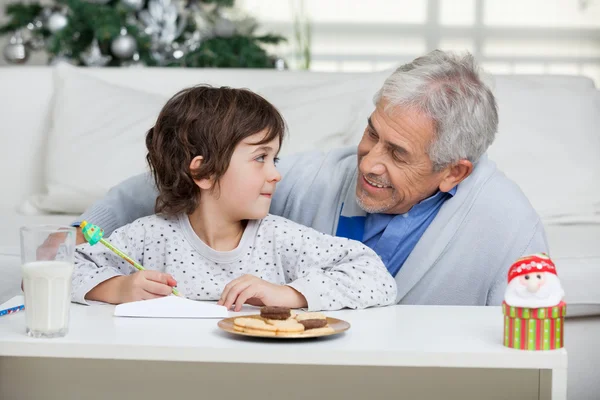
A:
x: 394, y: 236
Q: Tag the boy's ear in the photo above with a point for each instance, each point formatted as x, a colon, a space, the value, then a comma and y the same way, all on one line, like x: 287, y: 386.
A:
x: 204, y: 183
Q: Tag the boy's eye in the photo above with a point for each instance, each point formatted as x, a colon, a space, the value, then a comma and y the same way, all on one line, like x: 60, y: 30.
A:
x: 276, y: 160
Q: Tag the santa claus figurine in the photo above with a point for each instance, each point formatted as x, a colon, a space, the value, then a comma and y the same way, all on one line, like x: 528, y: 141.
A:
x: 533, y: 283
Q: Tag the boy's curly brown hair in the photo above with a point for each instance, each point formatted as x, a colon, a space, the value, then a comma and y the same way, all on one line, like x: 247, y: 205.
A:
x: 209, y: 122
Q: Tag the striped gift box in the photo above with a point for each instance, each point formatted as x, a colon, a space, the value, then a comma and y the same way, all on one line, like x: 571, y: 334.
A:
x: 534, y: 328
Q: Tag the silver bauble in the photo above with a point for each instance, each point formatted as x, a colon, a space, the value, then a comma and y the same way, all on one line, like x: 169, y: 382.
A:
x: 15, y: 51
x: 57, y: 22
x: 123, y: 46
x: 133, y: 4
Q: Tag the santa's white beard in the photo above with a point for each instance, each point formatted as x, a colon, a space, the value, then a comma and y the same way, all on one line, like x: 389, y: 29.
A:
x: 549, y: 295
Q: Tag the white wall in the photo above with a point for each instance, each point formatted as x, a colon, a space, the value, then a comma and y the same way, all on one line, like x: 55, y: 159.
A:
x: 507, y: 36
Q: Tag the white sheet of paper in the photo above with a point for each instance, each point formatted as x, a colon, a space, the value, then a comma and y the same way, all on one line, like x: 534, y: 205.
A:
x: 170, y: 307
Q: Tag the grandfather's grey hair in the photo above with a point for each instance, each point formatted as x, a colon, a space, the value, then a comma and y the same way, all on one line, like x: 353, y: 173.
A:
x: 449, y: 89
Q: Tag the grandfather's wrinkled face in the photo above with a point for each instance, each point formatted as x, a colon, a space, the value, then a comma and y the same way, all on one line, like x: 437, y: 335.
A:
x: 395, y: 172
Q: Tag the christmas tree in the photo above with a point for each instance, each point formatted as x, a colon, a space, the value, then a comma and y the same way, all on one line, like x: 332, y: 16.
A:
x: 182, y: 33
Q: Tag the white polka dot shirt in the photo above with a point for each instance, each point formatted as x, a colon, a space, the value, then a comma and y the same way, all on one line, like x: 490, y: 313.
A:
x: 331, y: 272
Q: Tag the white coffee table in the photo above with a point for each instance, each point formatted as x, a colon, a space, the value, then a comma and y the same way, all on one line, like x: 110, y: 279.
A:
x: 417, y: 351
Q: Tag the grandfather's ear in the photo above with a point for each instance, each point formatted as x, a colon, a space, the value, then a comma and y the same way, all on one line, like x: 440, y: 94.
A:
x: 455, y: 174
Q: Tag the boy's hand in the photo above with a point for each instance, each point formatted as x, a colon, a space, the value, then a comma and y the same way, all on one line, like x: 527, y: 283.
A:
x: 257, y: 292
x: 142, y: 285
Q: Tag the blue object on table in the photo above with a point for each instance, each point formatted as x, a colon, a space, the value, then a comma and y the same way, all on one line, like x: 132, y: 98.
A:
x: 12, y: 310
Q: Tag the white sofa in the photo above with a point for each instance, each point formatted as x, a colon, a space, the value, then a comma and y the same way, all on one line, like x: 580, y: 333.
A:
x: 68, y: 134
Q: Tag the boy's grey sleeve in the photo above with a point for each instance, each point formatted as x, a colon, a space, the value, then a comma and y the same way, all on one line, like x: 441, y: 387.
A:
x: 131, y: 199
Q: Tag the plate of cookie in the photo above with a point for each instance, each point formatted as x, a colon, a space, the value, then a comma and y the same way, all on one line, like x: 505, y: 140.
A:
x: 282, y: 323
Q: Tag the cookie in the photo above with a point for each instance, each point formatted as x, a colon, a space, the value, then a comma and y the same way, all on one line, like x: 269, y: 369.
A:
x: 310, y: 315
x: 290, y: 334
x: 313, y: 323
x: 253, y: 323
x: 288, y: 325
x: 279, y: 313
x: 242, y: 321
x: 318, y: 331
x: 259, y: 332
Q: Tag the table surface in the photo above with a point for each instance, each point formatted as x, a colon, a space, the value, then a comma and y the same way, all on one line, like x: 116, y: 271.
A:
x: 415, y: 336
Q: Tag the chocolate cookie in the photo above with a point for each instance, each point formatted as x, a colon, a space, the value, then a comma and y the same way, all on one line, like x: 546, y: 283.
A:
x: 313, y: 323
x: 275, y: 313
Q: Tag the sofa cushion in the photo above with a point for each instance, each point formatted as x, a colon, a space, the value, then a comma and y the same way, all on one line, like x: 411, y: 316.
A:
x: 548, y: 143
x: 95, y: 143
x: 96, y: 138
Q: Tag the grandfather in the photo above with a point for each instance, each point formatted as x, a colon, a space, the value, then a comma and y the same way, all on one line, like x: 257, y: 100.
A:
x: 419, y: 189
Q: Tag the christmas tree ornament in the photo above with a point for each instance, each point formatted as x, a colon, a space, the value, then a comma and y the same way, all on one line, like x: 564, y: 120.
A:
x: 192, y: 40
x: 57, y: 22
x: 185, y: 33
x: 178, y: 52
x: 135, y: 5
x: 533, y: 306
x: 124, y: 45
x: 163, y: 22
x: 93, y: 56
x: 15, y: 51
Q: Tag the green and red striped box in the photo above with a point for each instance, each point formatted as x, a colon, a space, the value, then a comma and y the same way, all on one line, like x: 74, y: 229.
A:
x: 534, y: 328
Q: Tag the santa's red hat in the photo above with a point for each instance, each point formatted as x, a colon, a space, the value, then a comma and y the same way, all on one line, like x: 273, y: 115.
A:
x: 529, y: 264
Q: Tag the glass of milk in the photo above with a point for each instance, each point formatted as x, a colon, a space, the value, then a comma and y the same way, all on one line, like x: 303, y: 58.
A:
x: 47, y: 253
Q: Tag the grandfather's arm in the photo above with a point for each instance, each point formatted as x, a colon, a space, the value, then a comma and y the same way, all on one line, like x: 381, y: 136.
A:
x: 129, y: 200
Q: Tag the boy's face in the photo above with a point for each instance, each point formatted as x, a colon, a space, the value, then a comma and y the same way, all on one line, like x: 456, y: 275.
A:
x: 248, y: 184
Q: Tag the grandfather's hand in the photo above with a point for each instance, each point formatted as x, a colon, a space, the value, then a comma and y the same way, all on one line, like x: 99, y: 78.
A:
x: 48, y: 249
